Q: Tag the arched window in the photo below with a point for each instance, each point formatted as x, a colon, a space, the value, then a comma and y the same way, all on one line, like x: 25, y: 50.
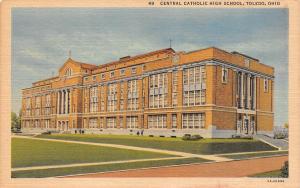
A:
x: 68, y: 72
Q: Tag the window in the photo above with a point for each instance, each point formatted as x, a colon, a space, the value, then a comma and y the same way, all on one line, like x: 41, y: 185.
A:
x: 36, y: 124
x: 47, y: 123
x: 94, y: 78
x: 121, y: 122
x: 157, y: 121
x: 132, y: 95
x: 122, y: 72
x: 48, y: 104
x: 28, y: 106
x: 133, y: 70
x: 266, y: 85
x: 174, y: 87
x: 101, y: 122
x: 111, y: 122
x: 193, y: 120
x: 112, y: 97
x: 102, y: 106
x: 94, y: 99
x: 48, y: 100
x: 93, y: 123
x: 158, y: 90
x: 102, y: 76
x: 122, y: 96
x: 194, y: 86
x: 112, y: 74
x: 68, y: 72
x: 37, y: 105
x: 239, y: 89
x: 132, y: 122
x: 174, y: 121
x: 224, y: 75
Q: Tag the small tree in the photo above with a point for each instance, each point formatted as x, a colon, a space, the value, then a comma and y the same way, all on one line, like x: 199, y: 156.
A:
x: 285, y: 170
x: 286, y: 125
x: 15, y: 120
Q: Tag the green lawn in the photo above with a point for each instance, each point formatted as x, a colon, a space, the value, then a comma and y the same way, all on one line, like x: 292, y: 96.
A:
x: 102, y: 168
x: 251, y: 155
x: 272, y: 174
x: 28, y: 152
x: 204, y: 146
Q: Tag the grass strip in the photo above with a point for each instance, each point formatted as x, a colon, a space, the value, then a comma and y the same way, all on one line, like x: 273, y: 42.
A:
x: 251, y: 155
x: 203, y: 146
x: 102, y: 168
x: 28, y: 152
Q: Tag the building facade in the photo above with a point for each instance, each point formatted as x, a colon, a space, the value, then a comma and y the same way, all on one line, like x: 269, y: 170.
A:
x: 209, y: 92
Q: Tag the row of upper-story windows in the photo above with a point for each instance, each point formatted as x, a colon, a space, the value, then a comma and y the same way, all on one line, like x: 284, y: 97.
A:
x: 37, y: 101
x: 112, y: 74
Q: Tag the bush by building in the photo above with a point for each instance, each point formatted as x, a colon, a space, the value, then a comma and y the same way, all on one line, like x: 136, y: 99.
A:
x: 285, y: 170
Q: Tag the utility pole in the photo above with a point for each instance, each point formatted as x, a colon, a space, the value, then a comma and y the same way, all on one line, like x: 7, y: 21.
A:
x: 170, y: 43
x: 70, y: 53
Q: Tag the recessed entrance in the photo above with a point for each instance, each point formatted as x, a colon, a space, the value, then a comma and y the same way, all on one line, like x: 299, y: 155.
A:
x: 62, y: 125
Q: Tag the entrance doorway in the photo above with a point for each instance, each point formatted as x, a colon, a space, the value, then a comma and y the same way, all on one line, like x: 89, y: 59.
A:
x: 62, y: 125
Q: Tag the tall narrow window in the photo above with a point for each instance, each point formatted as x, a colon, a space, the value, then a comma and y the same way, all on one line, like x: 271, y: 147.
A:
x: 132, y: 95
x: 37, y: 105
x: 102, y: 105
x: 266, y: 85
x: 86, y: 100
x: 28, y: 106
x: 112, y: 97
x: 94, y: 99
x: 121, y: 122
x: 224, y: 75
x: 121, y: 96
x: 158, y: 90
x: 174, y: 121
x: 174, y: 88
x: 48, y: 104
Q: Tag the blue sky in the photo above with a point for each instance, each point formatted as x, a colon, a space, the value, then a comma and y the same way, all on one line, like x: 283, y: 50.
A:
x: 41, y: 39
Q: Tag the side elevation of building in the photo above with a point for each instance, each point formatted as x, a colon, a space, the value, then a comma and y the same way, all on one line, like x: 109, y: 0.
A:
x: 209, y: 92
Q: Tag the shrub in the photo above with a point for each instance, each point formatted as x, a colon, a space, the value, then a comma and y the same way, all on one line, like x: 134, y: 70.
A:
x: 186, y: 137
x: 189, y: 137
x: 47, y: 132
x: 279, y: 136
x: 236, y: 136
x: 285, y: 170
x: 151, y: 135
x: 196, y: 137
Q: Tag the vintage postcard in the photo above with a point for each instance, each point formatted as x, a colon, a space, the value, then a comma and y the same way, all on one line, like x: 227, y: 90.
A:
x: 153, y: 93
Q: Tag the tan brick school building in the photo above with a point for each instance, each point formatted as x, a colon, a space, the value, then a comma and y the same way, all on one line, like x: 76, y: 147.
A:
x: 209, y: 92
